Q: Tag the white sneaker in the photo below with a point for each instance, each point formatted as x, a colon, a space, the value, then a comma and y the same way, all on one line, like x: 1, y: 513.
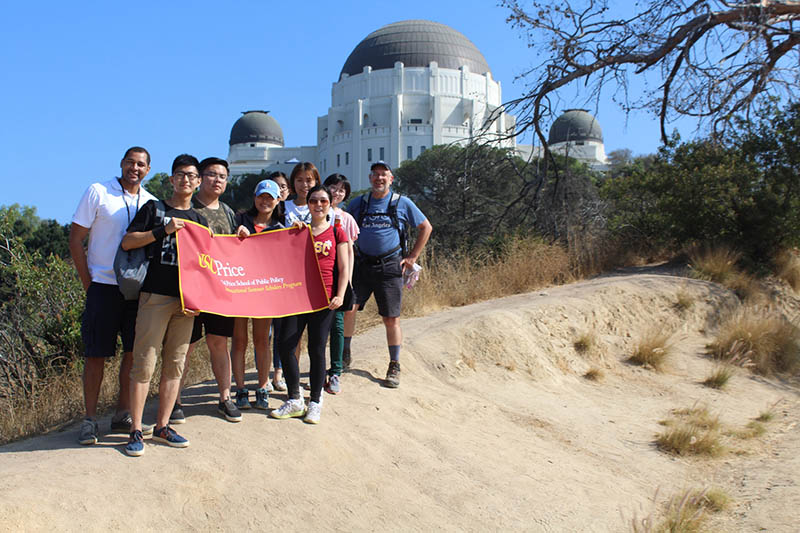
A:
x: 314, y: 413
x: 289, y: 409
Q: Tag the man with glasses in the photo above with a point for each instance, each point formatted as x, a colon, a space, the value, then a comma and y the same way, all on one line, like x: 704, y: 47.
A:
x: 103, y: 214
x: 218, y: 329
x: 161, y: 323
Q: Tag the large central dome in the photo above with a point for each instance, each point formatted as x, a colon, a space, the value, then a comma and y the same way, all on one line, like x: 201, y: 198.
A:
x: 415, y: 43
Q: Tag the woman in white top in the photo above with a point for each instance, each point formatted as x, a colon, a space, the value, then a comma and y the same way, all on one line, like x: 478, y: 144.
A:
x: 304, y: 177
x: 340, y: 192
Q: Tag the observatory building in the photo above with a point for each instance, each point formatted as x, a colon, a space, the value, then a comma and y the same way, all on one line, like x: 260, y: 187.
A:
x: 404, y: 88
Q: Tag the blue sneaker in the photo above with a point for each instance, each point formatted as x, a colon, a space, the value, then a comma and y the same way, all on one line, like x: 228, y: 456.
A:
x: 262, y: 399
x: 242, y: 401
x: 135, y: 446
x: 168, y: 436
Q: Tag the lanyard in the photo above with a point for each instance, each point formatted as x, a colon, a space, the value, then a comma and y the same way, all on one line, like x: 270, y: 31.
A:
x: 127, y: 209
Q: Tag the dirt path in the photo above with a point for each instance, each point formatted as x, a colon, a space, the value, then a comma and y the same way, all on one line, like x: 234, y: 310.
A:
x: 493, y: 427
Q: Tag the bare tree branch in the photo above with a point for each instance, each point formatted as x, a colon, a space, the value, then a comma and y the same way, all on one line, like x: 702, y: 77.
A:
x: 714, y: 58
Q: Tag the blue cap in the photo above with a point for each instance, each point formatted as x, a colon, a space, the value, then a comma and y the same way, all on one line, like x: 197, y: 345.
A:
x: 269, y: 187
x: 381, y: 163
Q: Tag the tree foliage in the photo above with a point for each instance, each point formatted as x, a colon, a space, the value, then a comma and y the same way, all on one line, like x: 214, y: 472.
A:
x: 159, y: 186
x: 476, y: 194
x: 744, y: 192
x: 39, y: 317
x: 712, y: 58
x: 47, y: 236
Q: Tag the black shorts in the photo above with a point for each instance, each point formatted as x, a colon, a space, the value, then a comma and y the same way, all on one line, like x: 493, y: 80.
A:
x: 105, y: 316
x: 384, y: 278
x: 213, y: 325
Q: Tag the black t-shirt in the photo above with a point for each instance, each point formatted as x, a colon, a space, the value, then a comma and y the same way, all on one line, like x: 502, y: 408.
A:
x: 162, y: 274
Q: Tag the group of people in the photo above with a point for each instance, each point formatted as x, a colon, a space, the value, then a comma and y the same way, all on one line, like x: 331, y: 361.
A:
x: 363, y: 246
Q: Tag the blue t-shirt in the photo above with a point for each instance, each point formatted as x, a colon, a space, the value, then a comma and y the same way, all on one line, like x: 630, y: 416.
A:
x: 377, y: 235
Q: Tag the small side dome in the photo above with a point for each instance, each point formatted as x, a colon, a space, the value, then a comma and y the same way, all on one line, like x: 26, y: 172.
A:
x: 256, y: 127
x: 575, y: 125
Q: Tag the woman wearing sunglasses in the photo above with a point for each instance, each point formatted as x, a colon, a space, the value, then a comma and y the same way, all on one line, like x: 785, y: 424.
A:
x: 331, y: 245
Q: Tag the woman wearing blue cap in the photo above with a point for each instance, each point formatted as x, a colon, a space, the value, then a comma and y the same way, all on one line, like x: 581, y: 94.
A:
x: 265, y: 215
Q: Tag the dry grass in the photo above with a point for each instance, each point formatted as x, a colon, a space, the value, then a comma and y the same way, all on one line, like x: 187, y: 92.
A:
x: 752, y: 430
x: 765, y: 416
x: 585, y: 343
x: 713, y: 263
x: 653, y: 350
x: 594, y: 374
x: 787, y: 267
x: 58, y: 402
x: 720, y: 376
x: 719, y: 264
x: 684, y: 300
x: 693, y: 431
x: 463, y: 278
x: 760, y: 338
x: 686, y: 512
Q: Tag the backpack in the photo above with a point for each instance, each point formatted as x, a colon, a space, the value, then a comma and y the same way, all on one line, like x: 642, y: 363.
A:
x: 391, y: 212
x: 349, y: 297
x: 130, y: 266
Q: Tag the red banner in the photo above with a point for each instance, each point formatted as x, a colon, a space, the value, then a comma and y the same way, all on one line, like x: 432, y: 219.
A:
x: 271, y: 274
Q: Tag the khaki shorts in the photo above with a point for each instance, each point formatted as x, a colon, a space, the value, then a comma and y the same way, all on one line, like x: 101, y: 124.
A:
x: 160, y: 322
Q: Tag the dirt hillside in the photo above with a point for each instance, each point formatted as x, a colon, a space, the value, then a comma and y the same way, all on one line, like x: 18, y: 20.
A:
x: 493, y: 427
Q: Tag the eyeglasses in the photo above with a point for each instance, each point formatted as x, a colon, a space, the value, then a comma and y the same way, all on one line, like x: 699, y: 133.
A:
x: 190, y: 175
x: 321, y: 201
x: 215, y: 176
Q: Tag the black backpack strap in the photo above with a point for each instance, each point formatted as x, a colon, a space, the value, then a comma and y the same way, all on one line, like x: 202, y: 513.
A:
x: 362, y: 210
x: 400, y: 228
x: 231, y: 216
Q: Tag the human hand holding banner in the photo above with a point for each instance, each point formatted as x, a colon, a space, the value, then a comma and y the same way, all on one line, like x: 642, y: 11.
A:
x: 271, y: 274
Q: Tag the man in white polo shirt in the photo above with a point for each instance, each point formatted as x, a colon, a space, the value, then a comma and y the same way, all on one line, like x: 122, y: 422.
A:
x: 103, y: 214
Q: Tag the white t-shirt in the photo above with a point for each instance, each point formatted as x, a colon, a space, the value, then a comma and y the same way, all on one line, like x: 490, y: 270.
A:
x: 296, y: 212
x: 107, y: 209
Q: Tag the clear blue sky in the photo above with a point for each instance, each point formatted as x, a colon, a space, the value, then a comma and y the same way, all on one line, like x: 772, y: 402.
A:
x: 82, y: 81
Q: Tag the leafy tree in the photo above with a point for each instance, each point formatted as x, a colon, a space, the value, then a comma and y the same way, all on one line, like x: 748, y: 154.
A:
x: 712, y: 58
x: 744, y: 193
x: 45, y: 236
x: 239, y: 193
x: 39, y: 316
x: 476, y: 194
x: 159, y: 186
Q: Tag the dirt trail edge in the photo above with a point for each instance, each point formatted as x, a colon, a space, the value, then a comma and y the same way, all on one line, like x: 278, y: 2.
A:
x: 493, y: 427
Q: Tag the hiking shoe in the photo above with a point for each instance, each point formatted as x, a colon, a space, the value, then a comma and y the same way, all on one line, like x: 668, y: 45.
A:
x: 289, y: 409
x: 124, y: 425
x: 393, y: 375
x: 346, y: 360
x: 262, y: 397
x: 242, y: 400
x: 314, y: 412
x: 333, y: 386
x: 229, y: 411
x: 177, y: 416
x: 135, y: 446
x: 279, y: 385
x: 168, y: 436
x: 88, y: 432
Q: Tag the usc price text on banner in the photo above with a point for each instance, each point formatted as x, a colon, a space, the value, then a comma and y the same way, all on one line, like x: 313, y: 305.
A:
x: 270, y: 274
